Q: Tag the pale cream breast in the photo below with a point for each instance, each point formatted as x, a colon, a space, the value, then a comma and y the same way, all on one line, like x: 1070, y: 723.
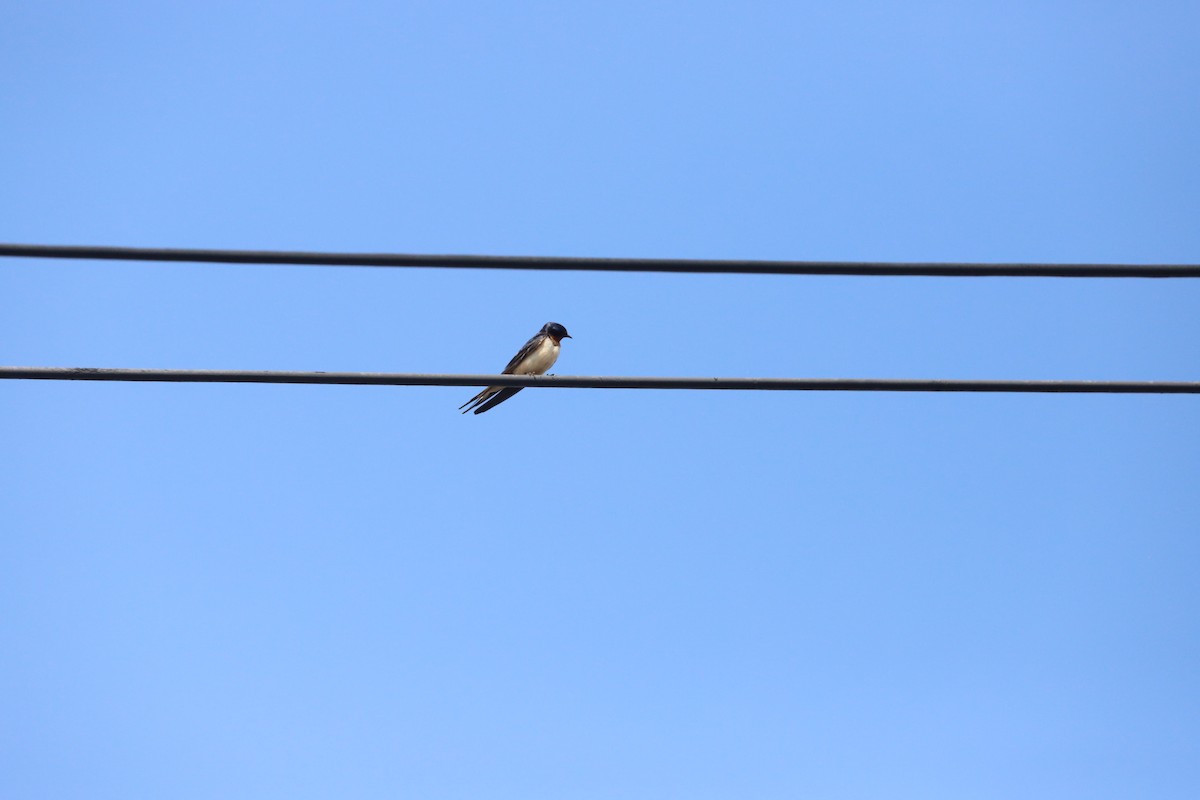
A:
x: 541, y: 359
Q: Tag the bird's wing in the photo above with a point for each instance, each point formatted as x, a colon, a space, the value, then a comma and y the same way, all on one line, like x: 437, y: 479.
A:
x: 497, y: 398
x: 524, y: 353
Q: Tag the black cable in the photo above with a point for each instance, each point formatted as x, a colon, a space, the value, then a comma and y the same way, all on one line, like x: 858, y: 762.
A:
x: 582, y: 382
x: 549, y: 263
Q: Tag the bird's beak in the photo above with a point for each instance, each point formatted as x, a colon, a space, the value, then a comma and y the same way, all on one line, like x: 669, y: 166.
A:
x: 567, y: 336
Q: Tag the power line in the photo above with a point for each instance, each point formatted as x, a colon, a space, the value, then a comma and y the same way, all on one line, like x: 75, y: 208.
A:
x: 552, y: 263
x: 583, y: 382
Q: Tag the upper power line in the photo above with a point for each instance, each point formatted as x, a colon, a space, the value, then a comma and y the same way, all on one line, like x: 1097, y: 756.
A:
x: 550, y: 263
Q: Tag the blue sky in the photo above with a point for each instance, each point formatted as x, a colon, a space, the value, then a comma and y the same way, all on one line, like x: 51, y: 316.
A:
x: 290, y: 591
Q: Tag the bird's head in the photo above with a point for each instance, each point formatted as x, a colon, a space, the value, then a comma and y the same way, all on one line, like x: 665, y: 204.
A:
x: 555, y: 331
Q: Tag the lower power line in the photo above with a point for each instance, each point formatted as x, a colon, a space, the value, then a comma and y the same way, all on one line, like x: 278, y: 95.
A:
x: 602, y: 382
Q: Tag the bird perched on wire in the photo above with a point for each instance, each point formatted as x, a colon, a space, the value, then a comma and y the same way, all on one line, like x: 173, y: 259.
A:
x: 537, y: 356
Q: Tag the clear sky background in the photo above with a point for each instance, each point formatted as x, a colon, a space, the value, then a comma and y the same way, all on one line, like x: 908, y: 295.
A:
x: 308, y: 592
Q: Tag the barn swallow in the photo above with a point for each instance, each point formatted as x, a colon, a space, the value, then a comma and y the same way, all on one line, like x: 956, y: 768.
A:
x: 537, y: 356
